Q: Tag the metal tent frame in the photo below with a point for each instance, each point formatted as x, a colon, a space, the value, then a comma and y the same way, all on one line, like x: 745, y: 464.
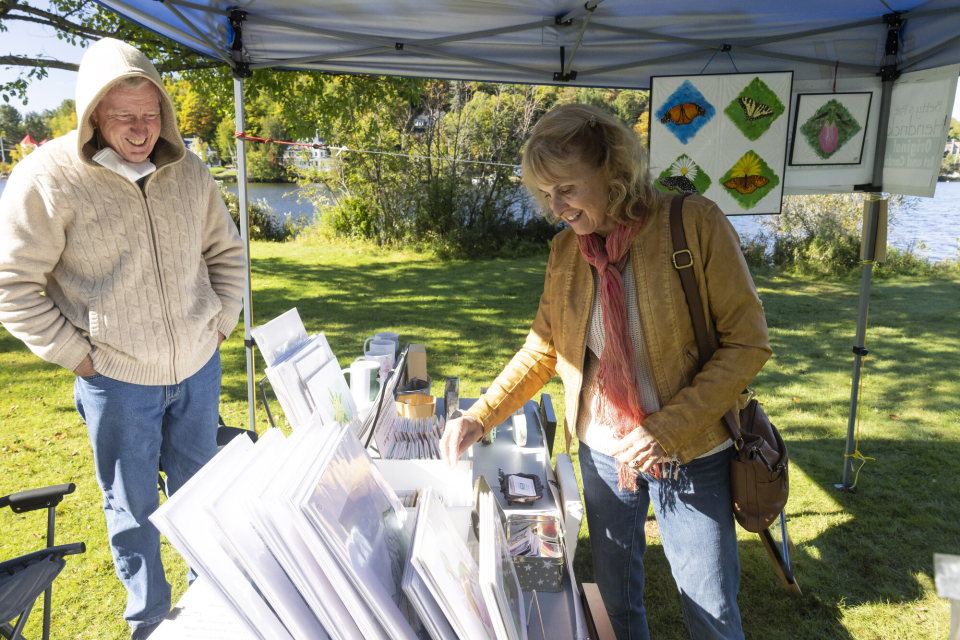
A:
x: 474, y: 55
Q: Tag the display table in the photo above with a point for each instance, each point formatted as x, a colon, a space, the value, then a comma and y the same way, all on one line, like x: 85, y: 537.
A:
x: 201, y: 615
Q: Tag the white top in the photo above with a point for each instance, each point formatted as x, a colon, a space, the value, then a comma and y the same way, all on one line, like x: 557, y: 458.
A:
x: 597, y: 436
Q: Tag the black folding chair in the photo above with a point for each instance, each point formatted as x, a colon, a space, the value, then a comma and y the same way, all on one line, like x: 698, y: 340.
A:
x: 224, y: 435
x: 23, y: 579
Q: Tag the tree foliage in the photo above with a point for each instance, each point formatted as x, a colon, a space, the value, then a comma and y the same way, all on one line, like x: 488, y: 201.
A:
x: 448, y: 175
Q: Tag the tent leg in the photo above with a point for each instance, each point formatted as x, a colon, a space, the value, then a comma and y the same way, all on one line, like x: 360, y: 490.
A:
x: 870, y: 223
x: 245, y: 236
x: 859, y: 353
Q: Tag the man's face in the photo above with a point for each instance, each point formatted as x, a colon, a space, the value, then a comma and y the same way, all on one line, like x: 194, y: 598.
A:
x: 129, y: 121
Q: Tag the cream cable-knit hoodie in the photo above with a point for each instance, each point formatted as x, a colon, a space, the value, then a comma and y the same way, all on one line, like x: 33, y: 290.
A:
x: 141, y: 280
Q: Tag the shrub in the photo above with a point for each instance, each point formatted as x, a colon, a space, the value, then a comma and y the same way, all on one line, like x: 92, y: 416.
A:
x: 262, y: 221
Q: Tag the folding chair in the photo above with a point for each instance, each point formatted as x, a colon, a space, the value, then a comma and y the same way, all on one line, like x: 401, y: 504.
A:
x: 23, y: 579
x: 224, y: 435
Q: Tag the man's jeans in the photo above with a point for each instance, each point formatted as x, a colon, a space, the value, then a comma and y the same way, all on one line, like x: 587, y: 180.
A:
x: 131, y: 428
x: 699, y: 537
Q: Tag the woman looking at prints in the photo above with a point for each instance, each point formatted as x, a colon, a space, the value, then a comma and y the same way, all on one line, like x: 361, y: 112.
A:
x: 614, y: 323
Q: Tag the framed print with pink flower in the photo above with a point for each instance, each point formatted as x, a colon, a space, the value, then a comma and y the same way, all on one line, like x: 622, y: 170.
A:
x: 829, y: 128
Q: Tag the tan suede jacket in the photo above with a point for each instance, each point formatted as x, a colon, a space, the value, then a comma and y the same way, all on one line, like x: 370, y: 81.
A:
x: 692, y: 401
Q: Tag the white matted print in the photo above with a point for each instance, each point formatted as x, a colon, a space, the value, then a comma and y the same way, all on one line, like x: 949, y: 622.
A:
x: 722, y: 136
x: 830, y: 128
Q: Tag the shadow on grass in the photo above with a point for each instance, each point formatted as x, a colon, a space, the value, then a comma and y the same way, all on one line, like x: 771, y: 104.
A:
x: 906, y: 334
x: 878, y: 551
x: 456, y: 308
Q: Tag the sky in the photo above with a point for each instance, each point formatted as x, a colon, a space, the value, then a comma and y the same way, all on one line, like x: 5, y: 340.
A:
x: 34, y: 40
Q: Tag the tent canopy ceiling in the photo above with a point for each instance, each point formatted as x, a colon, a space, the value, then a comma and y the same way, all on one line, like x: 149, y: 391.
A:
x: 621, y: 42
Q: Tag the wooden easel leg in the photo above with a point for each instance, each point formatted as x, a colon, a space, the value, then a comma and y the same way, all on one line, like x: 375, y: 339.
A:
x: 779, y: 565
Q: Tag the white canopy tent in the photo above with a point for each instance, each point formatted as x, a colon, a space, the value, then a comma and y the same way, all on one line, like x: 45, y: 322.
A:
x: 602, y: 43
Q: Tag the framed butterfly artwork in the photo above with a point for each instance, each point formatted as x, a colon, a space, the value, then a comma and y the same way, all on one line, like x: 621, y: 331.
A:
x: 722, y: 136
x: 829, y: 128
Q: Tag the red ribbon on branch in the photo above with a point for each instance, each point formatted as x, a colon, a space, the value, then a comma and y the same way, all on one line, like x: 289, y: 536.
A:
x: 242, y: 135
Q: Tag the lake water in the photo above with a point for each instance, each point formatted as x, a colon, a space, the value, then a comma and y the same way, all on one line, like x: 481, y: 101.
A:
x: 935, y: 223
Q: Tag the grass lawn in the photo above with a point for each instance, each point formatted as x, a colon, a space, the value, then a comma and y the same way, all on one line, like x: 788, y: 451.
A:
x: 864, y: 560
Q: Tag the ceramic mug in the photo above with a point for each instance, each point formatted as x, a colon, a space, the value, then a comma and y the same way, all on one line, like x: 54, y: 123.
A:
x: 374, y: 346
x: 363, y: 380
x: 383, y: 360
x: 392, y: 337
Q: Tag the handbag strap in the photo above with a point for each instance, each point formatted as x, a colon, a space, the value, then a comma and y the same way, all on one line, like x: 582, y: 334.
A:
x: 683, y: 262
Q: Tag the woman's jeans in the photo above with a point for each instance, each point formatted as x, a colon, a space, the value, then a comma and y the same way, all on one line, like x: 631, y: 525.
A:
x: 699, y: 537
x: 132, y: 427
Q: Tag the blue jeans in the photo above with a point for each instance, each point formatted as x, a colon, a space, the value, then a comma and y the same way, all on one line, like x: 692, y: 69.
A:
x: 699, y: 537
x: 131, y: 428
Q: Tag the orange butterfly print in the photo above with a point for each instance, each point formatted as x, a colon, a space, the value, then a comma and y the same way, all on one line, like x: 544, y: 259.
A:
x: 683, y: 113
x: 746, y: 184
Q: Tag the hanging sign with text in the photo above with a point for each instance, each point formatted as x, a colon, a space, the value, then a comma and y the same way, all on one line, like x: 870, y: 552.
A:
x: 917, y: 130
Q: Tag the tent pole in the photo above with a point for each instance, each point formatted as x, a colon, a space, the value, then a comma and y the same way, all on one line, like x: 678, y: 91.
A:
x: 871, y: 220
x: 245, y: 237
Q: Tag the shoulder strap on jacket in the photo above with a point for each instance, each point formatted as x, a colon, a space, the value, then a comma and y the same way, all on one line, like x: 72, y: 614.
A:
x: 683, y: 262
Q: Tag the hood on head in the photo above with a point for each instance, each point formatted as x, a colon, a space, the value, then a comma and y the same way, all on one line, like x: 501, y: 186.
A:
x: 104, y: 64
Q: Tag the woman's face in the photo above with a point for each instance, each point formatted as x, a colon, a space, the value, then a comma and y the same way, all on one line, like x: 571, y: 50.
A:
x: 581, y: 201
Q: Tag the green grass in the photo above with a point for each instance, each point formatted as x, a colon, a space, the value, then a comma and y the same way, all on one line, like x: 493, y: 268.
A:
x: 864, y: 559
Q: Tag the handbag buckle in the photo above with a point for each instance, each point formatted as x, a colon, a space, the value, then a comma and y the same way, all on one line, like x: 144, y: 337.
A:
x: 689, y: 256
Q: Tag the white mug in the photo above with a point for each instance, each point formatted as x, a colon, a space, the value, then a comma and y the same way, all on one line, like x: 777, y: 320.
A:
x: 363, y: 380
x: 375, y: 346
x: 383, y: 360
x: 392, y: 337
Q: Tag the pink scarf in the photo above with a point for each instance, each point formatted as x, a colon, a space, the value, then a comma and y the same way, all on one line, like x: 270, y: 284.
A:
x: 616, y: 386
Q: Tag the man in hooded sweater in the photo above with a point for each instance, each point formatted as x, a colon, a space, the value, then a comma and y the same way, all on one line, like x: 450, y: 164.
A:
x: 120, y: 263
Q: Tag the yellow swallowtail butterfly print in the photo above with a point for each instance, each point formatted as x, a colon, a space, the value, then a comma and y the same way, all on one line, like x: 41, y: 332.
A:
x: 754, y: 110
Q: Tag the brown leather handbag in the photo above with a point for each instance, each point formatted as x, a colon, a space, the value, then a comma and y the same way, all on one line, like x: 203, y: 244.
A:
x: 758, y: 471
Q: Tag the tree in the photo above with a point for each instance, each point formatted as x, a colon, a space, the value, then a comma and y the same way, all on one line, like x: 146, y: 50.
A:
x: 36, y: 125
x: 79, y: 22
x: 62, y: 120
x: 11, y: 124
x: 954, y: 133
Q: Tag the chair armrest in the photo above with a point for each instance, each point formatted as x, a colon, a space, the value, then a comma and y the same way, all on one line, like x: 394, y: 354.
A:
x: 34, y: 499
x: 54, y: 553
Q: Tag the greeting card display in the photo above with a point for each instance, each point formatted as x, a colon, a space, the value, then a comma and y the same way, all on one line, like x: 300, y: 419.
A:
x: 721, y: 136
x: 830, y: 128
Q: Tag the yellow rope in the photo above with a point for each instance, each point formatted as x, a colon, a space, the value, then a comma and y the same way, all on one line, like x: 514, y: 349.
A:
x: 856, y: 455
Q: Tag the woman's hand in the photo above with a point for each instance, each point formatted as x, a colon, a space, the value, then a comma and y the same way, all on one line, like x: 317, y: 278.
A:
x: 639, y: 449
x: 458, y: 435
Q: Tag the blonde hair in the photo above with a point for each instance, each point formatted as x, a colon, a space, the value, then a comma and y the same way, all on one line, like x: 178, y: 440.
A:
x: 570, y: 136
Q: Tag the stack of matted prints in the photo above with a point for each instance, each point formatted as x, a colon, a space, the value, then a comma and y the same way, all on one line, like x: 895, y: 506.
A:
x: 302, y: 538
x: 304, y: 373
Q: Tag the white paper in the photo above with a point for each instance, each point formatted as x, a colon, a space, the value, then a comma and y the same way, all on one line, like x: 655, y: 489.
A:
x: 450, y: 572
x: 920, y: 112
x: 421, y: 597
x: 498, y: 575
x: 280, y: 335
x: 202, y: 615
x: 347, y: 507
x: 332, y: 398
x: 235, y: 524
x: 184, y: 521
x: 521, y: 486
x: 318, y: 574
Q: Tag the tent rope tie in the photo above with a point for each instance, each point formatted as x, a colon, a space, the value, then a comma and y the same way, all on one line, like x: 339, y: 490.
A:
x: 856, y: 455
x: 242, y: 135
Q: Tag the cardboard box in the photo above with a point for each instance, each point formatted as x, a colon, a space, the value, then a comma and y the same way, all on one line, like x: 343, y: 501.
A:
x: 416, y: 406
x: 416, y: 362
